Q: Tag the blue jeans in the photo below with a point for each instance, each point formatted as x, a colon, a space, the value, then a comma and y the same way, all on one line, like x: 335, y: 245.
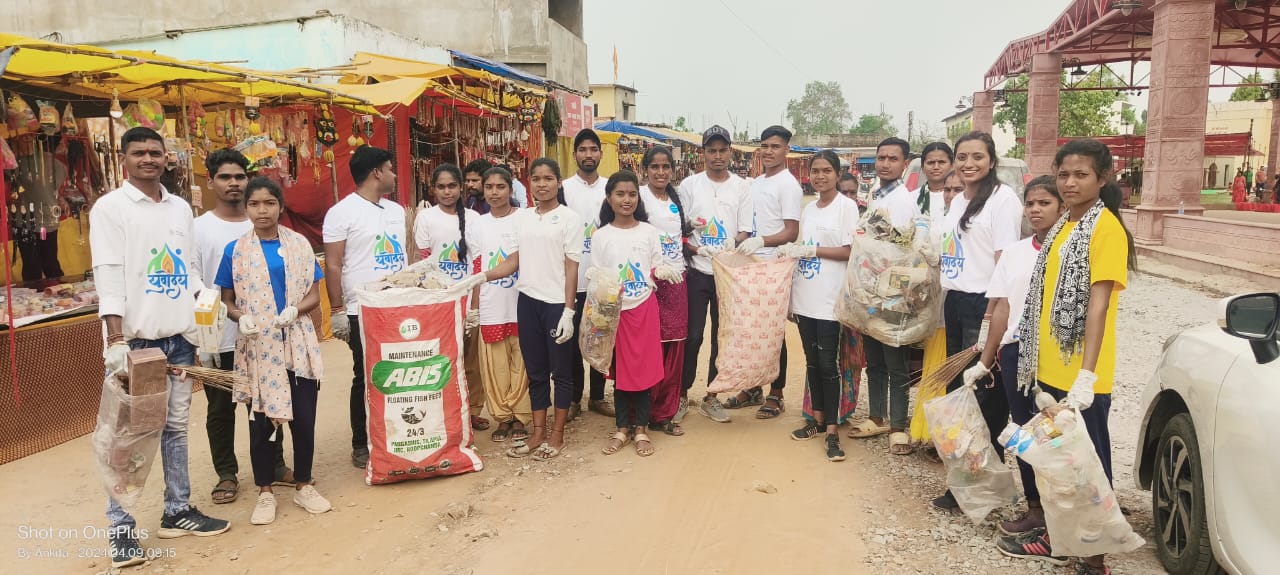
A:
x: 173, y: 440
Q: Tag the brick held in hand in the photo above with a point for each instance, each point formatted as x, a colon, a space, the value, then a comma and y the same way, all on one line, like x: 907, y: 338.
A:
x: 148, y: 372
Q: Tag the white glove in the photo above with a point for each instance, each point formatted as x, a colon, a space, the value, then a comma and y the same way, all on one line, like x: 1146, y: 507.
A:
x: 472, y: 281
x: 796, y: 251
x: 340, y: 325
x: 564, y: 329
x: 115, y: 358
x: 473, y: 319
x: 976, y: 373
x: 1081, y: 395
x: 983, y: 331
x: 729, y: 243
x: 287, y: 317
x: 667, y: 274
x: 750, y: 245
x: 249, y: 326
x: 708, y: 251
x: 594, y: 273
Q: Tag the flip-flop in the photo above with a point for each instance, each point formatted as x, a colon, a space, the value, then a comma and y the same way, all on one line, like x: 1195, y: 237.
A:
x: 501, y: 434
x: 866, y: 429
x: 281, y: 478
x: 622, y: 438
x: 545, y: 452
x: 518, y: 450
x: 519, y: 433
x: 234, y: 491
x: 900, y: 443
x: 670, y: 428
x: 643, y: 438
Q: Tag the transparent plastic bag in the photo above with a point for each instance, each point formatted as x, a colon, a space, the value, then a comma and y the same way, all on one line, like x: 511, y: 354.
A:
x: 1080, y: 507
x: 892, y: 290
x: 599, y: 330
x: 976, y: 472
x: 126, y: 441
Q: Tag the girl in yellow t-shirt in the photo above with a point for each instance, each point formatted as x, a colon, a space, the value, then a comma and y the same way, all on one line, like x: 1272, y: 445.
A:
x: 1068, y: 330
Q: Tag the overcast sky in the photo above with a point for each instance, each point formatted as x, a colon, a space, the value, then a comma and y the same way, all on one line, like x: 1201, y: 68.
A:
x: 701, y: 59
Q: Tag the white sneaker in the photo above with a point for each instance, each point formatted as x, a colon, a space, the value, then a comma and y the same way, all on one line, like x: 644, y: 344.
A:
x: 265, y: 511
x: 311, y: 500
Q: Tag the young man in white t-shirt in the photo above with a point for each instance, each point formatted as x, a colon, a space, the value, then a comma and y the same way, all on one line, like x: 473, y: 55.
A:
x: 225, y: 223
x: 584, y: 193
x: 777, y: 197
x: 141, y: 239
x: 720, y: 207
x: 363, y: 242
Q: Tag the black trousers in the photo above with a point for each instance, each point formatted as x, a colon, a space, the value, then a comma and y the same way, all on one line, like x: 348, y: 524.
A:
x: 40, y: 258
x: 220, y: 426
x: 821, y: 339
x: 632, y: 408
x: 963, y: 313
x: 359, y: 415
x: 702, y: 299
x: 580, y: 372
x: 545, y: 361
x: 304, y: 395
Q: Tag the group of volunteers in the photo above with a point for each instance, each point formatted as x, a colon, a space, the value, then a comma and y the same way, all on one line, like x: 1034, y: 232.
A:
x: 1041, y: 310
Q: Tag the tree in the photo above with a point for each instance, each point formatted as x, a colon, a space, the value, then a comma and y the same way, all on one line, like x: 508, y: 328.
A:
x: 875, y: 125
x: 822, y: 110
x: 1129, y: 118
x: 1248, y: 93
x: 960, y: 128
x: 925, y: 134
x: 1080, y: 113
x: 682, y: 125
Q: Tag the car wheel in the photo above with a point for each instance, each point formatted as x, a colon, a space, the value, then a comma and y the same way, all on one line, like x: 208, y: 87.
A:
x: 1177, y: 502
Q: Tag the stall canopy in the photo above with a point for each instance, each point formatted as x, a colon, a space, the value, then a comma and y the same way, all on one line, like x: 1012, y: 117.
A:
x: 465, y: 60
x: 676, y: 135
x: 1136, y: 146
x: 630, y: 130
x: 474, y: 92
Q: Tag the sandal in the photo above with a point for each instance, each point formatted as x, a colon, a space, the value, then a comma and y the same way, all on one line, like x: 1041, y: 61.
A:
x: 867, y: 428
x: 753, y: 398
x: 518, y: 431
x: 518, y: 450
x: 616, y: 443
x: 900, y: 443
x: 545, y: 452
x: 670, y: 428
x: 646, y: 449
x: 226, y: 494
x: 285, y: 478
x: 501, y: 434
x: 479, y: 423
x: 772, y: 408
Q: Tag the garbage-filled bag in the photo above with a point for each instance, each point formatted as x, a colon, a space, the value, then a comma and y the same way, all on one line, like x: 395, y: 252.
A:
x: 892, y: 290
x: 976, y: 473
x: 600, y: 314
x: 1080, y: 507
x: 126, y: 441
x: 755, y: 296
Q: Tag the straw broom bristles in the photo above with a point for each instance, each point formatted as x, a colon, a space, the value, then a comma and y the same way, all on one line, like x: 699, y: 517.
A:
x: 937, y: 381
x: 215, y: 378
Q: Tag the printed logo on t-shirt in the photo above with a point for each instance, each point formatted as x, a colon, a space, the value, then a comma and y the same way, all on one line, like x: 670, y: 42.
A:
x: 809, y: 267
x: 496, y: 259
x: 632, y: 279
x: 387, y: 253
x: 670, y: 247
x: 588, y: 230
x: 714, y: 236
x: 450, y: 263
x: 166, y: 272
x: 952, y: 255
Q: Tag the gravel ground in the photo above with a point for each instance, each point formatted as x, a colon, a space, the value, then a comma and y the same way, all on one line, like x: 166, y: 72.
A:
x: 908, y: 536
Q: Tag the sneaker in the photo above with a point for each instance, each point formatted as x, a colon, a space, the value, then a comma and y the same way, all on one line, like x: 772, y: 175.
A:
x: 601, y: 406
x: 575, y: 409
x: 191, y: 522
x: 311, y: 500
x: 809, y: 431
x: 265, y: 511
x: 1033, y: 545
x: 683, y: 410
x: 1027, y: 523
x: 125, y: 552
x: 834, y: 453
x: 947, y: 502
x: 713, y: 409
x: 360, y: 457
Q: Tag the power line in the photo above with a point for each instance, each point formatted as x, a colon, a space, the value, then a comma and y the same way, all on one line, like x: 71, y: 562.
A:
x: 762, y: 38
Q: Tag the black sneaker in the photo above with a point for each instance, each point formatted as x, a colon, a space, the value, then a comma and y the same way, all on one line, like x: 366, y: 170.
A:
x: 191, y: 522
x: 360, y: 457
x: 125, y: 552
x: 947, y: 502
x: 834, y: 453
x: 1030, y: 545
x: 809, y: 431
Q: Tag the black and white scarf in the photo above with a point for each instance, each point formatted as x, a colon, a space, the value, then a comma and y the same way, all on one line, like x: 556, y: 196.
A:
x: 1070, y: 298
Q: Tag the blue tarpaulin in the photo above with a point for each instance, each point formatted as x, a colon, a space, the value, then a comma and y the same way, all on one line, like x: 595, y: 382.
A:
x: 468, y: 61
x: 631, y: 130
x: 866, y: 160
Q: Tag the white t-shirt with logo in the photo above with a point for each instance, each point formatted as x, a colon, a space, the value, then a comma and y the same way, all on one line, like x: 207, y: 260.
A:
x: 665, y: 216
x: 493, y: 240
x: 1012, y: 281
x: 818, y: 280
x: 969, y: 256
x: 375, y: 242
x: 630, y: 255
x: 777, y: 198
x: 212, y: 236
x: 544, y: 241
x: 718, y: 210
x: 437, y: 231
x: 585, y: 199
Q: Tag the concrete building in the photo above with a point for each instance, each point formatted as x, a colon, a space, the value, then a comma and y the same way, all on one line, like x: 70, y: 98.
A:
x: 614, y: 102
x: 962, y: 122
x: 542, y: 37
x: 1236, y: 118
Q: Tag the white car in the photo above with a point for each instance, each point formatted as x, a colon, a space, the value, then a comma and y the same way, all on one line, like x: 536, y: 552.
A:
x: 1209, y: 445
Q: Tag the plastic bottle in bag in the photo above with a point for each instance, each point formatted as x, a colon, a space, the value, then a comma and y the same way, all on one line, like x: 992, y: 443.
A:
x: 976, y: 473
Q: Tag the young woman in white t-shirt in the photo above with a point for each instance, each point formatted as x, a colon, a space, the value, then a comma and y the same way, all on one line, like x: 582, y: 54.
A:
x: 983, y: 221
x: 492, y: 238
x: 439, y: 232
x: 548, y: 241
x: 826, y: 234
x: 627, y: 247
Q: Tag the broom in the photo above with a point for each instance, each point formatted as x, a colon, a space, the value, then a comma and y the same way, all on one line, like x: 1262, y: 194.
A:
x: 212, y: 377
x: 936, y: 382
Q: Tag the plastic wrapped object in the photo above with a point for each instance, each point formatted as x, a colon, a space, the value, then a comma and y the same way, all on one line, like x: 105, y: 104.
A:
x: 69, y: 125
x: 755, y: 296
x: 599, y: 329
x: 1080, y: 507
x: 976, y: 473
x: 126, y: 441
x: 146, y: 113
x: 419, y: 422
x: 50, y: 119
x: 892, y: 290
x: 21, y: 118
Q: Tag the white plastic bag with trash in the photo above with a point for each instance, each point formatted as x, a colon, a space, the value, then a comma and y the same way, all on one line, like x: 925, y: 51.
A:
x: 126, y: 441
x: 755, y: 295
x: 892, y: 290
x: 600, y: 315
x: 1080, y: 507
x: 976, y: 473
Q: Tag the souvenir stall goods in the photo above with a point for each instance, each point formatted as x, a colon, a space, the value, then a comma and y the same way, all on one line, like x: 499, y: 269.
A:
x: 31, y: 305
x: 754, y: 298
x: 852, y: 361
x: 892, y: 289
x: 1080, y: 507
x: 976, y: 473
x: 600, y: 315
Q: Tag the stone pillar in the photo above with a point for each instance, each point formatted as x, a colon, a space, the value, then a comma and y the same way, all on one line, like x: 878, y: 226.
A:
x: 1177, y: 103
x: 984, y: 110
x: 1042, y: 112
x: 1273, y: 150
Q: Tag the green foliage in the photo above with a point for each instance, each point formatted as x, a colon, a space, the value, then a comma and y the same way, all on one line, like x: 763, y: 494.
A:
x: 875, y: 125
x: 822, y: 110
x: 682, y: 124
x: 1080, y: 113
x: 960, y: 128
x: 1248, y: 93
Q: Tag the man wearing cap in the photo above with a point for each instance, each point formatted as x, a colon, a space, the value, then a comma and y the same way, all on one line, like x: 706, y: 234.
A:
x: 777, y: 198
x: 719, y: 205
x: 584, y: 193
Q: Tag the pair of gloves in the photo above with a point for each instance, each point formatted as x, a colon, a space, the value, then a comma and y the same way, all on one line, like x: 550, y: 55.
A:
x: 1079, y: 398
x: 796, y: 250
x: 747, y: 247
x: 249, y: 326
